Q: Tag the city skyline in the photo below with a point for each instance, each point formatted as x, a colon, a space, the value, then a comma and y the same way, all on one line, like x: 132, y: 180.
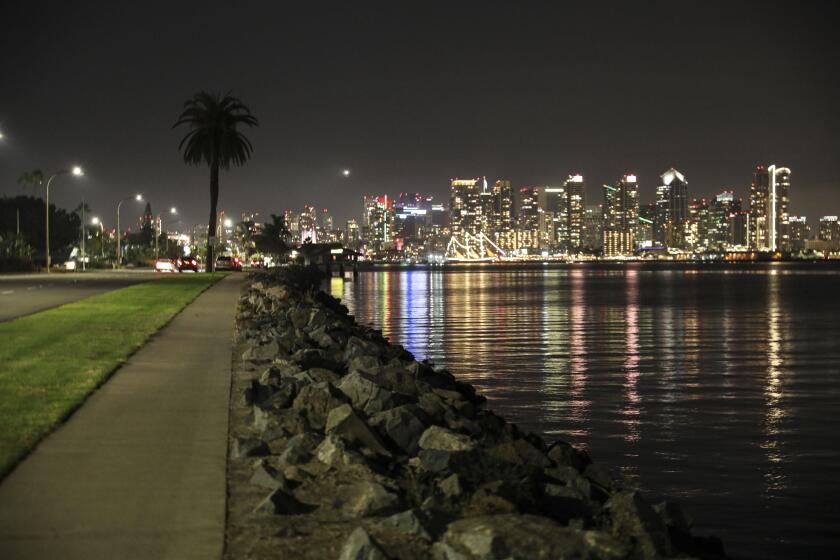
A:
x: 448, y: 99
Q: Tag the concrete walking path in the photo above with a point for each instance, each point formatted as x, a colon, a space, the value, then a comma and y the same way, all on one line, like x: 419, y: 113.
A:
x: 139, y: 470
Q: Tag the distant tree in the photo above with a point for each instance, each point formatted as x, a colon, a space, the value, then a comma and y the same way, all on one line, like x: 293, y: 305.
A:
x: 31, y: 179
x: 29, y: 211
x: 213, y: 139
x: 274, y: 237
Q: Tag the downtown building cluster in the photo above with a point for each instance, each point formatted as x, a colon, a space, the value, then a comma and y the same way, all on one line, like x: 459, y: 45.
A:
x: 495, y: 220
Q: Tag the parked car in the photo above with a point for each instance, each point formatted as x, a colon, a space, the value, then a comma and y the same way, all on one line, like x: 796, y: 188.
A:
x: 227, y: 262
x: 187, y: 263
x: 257, y: 262
x: 164, y: 265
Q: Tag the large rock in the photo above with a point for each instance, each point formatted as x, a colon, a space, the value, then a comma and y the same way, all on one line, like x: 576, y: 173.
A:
x: 334, y: 452
x: 520, y: 452
x: 366, y: 394
x: 297, y: 450
x: 344, y: 422
x: 262, y: 353
x: 442, y: 439
x: 359, y: 546
x: 248, y: 447
x: 401, y: 425
x: 281, y: 502
x: 359, y: 347
x: 634, y: 520
x: 365, y: 498
x: 563, y: 454
x: 407, y: 522
x: 526, y: 537
x: 316, y: 400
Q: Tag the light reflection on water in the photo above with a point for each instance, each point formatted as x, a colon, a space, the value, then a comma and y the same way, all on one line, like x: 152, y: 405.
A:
x: 715, y: 387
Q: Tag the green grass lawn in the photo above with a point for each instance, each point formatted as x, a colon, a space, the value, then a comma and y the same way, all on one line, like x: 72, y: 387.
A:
x: 51, y: 361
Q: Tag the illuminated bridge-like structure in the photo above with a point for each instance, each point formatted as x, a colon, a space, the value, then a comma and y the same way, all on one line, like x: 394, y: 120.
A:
x: 473, y: 248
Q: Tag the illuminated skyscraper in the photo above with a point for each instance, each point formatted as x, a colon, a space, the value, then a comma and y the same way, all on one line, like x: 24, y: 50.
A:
x: 671, y: 209
x: 723, y: 210
x: 593, y: 229
x: 465, y: 206
x: 528, y: 218
x: 769, y: 209
x: 379, y: 221
x: 308, y: 225
x: 563, y: 208
x: 576, y: 196
x: 502, y: 218
x: 829, y: 229
x: 621, y: 214
x: 799, y: 232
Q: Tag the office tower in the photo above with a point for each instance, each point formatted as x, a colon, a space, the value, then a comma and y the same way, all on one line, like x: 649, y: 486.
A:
x: 769, y: 209
x: 465, y: 207
x: 799, y: 232
x: 561, y: 223
x: 485, y: 209
x: 379, y: 221
x: 698, y: 225
x: 576, y: 196
x: 621, y: 214
x: 553, y: 217
x: 292, y: 223
x: 352, y: 233
x: 502, y: 224
x: 528, y: 218
x: 647, y: 221
x: 593, y: 225
x: 672, y: 209
x: 739, y: 229
x: 326, y: 220
x: 829, y: 229
x: 308, y: 225
x: 722, y: 211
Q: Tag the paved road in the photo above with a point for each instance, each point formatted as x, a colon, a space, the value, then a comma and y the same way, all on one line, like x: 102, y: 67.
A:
x: 29, y: 293
x: 139, y: 470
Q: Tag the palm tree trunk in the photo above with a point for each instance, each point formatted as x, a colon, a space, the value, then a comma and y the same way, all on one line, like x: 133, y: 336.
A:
x: 214, y: 201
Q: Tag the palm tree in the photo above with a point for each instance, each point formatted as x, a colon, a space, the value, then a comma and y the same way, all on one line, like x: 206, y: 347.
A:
x: 213, y: 139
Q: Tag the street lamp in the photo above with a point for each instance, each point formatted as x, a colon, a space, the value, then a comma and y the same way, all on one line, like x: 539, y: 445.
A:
x: 95, y: 221
x: 346, y: 172
x: 159, y: 230
x: 75, y: 171
x: 138, y: 198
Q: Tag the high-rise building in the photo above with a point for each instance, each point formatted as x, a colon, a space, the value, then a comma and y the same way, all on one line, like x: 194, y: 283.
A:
x: 528, y: 218
x: 769, y: 209
x: 379, y: 221
x: 647, y: 221
x: 576, y: 196
x: 502, y: 218
x: 672, y: 209
x: 592, y: 239
x: 799, y: 232
x: 621, y: 215
x: 308, y: 225
x: 699, y: 225
x: 722, y: 211
x: 465, y: 207
x: 829, y: 229
x: 352, y: 234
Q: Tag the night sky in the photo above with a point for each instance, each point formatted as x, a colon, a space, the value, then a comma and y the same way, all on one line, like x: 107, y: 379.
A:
x: 407, y: 95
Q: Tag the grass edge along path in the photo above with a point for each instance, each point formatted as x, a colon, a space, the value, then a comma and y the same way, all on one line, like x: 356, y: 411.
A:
x: 51, y: 361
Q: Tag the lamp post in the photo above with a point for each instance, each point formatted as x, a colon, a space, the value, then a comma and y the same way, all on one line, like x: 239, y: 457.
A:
x: 159, y: 230
x: 76, y: 171
x: 138, y: 198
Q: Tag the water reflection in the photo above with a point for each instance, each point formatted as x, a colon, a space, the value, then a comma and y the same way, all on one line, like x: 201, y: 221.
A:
x: 776, y: 412
x: 718, y: 387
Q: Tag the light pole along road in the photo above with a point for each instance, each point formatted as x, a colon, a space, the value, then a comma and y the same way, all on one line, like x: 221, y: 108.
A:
x: 138, y: 198
x: 77, y: 171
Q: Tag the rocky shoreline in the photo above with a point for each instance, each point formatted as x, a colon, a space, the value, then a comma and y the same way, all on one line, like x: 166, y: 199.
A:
x: 344, y: 446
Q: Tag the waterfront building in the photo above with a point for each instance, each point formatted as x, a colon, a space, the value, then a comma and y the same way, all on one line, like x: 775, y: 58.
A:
x: 502, y: 224
x: 308, y: 225
x: 528, y: 218
x: 465, y: 207
x: 553, y: 217
x: 829, y: 230
x: 698, y: 226
x: 592, y: 239
x: 672, y: 209
x: 352, y: 232
x: 739, y: 229
x: 646, y: 227
x: 799, y: 232
x: 379, y: 221
x: 576, y: 197
x: 769, y: 209
x: 722, y: 211
x: 621, y: 213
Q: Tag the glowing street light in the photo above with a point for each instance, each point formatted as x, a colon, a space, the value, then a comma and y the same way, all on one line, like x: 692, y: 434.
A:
x: 138, y: 198
x: 228, y: 222
x: 75, y: 171
x: 346, y: 172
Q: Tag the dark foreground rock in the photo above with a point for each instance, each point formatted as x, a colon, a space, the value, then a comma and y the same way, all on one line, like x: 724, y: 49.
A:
x: 343, y: 446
